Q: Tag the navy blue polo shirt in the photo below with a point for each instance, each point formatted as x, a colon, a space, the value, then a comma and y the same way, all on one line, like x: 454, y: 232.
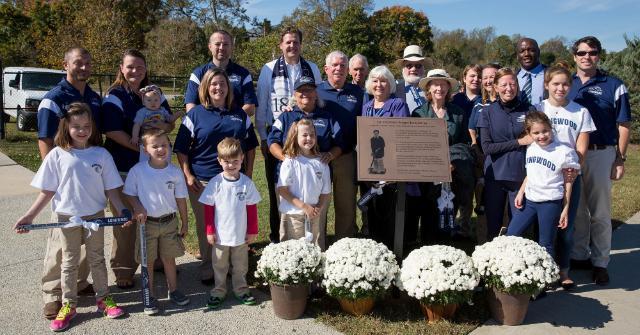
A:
x: 327, y: 128
x: 55, y: 103
x: 118, y: 112
x: 345, y: 105
x: 607, y: 100
x: 240, y: 78
x: 500, y: 127
x: 201, y: 131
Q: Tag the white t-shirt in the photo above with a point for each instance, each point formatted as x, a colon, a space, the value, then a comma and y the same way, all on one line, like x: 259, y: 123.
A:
x: 568, y: 121
x: 79, y: 177
x: 306, y: 179
x: 544, y: 166
x: 231, y: 198
x: 157, y: 189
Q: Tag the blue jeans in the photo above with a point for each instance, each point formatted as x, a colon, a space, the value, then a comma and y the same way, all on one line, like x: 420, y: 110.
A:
x: 548, y: 213
x: 565, y: 236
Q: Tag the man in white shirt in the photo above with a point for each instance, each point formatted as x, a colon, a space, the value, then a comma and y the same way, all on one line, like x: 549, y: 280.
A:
x: 275, y: 89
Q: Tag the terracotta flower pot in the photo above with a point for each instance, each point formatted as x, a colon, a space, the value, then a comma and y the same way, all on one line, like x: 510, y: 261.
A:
x: 357, y: 307
x: 435, y: 313
x: 289, y: 301
x: 508, y: 309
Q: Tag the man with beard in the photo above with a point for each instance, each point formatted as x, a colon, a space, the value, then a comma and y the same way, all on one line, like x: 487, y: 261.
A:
x: 531, y: 72
x: 72, y: 88
x: 412, y: 63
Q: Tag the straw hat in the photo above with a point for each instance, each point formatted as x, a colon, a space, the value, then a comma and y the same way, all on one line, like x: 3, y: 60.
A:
x: 412, y: 53
x: 436, y: 74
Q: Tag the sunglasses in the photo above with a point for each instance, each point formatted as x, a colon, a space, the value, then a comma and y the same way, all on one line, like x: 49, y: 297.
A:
x: 416, y: 66
x: 590, y: 53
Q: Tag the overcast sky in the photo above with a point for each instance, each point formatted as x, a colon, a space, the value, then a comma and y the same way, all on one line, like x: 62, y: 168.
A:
x: 608, y: 20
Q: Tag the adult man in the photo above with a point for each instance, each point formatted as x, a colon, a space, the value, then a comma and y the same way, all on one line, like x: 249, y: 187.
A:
x: 72, y: 88
x: 412, y: 63
x: 275, y: 89
x: 607, y: 100
x: 359, y: 70
x: 221, y: 47
x: 531, y: 73
x: 344, y: 101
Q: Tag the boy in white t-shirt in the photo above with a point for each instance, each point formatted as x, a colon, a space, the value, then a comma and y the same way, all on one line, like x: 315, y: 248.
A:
x: 231, y: 223
x: 156, y: 189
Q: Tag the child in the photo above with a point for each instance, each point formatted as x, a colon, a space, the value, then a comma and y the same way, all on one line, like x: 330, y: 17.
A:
x: 304, y: 184
x: 231, y: 223
x: 572, y: 124
x: 78, y: 175
x: 151, y: 112
x: 547, y: 192
x: 156, y: 189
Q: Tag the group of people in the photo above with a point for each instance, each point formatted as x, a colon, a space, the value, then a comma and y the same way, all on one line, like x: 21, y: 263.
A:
x: 534, y: 143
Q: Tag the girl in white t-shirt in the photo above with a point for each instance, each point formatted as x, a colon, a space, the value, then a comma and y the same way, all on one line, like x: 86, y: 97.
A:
x: 572, y: 124
x: 544, y: 192
x: 78, y: 175
x: 304, y: 185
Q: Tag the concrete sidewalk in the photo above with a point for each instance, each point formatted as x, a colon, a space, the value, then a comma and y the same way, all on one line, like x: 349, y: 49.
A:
x: 21, y: 302
x: 590, y: 309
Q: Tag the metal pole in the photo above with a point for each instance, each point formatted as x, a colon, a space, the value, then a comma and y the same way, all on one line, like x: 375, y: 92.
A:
x: 398, y: 236
x: 2, y: 115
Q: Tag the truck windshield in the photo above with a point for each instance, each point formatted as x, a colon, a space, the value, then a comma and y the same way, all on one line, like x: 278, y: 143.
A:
x: 40, y: 81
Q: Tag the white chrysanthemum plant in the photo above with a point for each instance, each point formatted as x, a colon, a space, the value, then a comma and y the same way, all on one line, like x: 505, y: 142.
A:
x: 515, y: 265
x: 358, y: 268
x: 292, y: 262
x: 438, y: 275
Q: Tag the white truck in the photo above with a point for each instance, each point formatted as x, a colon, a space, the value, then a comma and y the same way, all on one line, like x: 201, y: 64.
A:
x: 23, y: 90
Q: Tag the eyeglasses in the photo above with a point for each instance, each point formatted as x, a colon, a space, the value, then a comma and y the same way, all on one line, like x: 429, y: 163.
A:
x: 590, y: 53
x: 417, y: 66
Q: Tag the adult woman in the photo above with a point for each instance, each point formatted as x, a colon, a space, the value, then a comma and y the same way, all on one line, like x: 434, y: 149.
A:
x: 202, y: 129
x: 308, y: 105
x: 438, y: 85
x: 381, y: 209
x: 488, y: 96
x: 501, y: 127
x: 118, y: 111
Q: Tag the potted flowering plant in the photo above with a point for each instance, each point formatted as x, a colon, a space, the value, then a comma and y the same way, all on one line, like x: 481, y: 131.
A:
x: 441, y: 277
x: 356, y: 271
x: 288, y: 267
x: 515, y: 268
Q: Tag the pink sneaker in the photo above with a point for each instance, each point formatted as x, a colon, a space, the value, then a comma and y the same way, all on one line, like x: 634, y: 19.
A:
x: 109, y: 308
x: 62, y: 321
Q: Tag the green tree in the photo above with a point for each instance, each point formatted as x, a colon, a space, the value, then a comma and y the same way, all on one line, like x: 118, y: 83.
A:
x: 554, y: 50
x: 352, y: 33
x: 256, y: 52
x: 398, y: 26
x: 16, y: 45
x: 175, y: 47
x: 625, y: 64
x: 502, y: 50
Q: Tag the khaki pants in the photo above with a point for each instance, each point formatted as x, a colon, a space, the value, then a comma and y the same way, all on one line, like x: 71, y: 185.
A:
x: 344, y: 195
x: 292, y: 228
x: 239, y: 258
x: 123, y: 262
x: 71, y: 240
x: 206, y: 271
x: 51, y: 288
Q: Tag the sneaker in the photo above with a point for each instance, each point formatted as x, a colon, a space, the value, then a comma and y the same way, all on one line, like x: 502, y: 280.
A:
x: 109, y: 308
x: 600, y: 276
x: 178, y: 298
x: 62, y: 321
x: 246, y: 299
x: 214, y: 302
x: 152, y: 309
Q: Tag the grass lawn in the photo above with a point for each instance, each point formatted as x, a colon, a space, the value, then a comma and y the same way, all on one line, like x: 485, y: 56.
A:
x: 394, y: 315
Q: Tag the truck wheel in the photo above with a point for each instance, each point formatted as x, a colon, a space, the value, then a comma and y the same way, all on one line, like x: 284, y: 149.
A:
x: 21, y: 121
